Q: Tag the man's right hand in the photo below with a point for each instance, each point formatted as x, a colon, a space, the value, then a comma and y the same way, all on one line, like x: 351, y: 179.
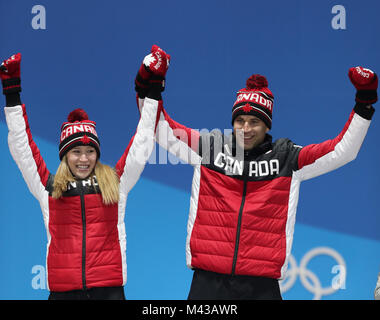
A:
x: 10, y: 74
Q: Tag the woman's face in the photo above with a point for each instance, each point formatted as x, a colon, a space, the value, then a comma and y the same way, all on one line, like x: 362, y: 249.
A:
x: 82, y: 161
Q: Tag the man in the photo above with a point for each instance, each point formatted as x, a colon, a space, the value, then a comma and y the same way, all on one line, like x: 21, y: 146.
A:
x: 245, y: 187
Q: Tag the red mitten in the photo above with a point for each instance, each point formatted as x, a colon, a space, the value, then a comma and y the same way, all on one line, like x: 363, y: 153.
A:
x: 366, y: 83
x: 158, y: 61
x: 10, y: 74
x: 152, y: 71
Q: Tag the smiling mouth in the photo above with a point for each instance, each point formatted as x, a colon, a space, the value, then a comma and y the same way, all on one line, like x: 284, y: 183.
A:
x: 83, y: 167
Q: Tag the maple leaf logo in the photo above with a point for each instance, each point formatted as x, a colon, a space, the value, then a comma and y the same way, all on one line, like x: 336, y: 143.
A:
x: 149, y: 60
x: 247, y: 108
x: 85, y: 140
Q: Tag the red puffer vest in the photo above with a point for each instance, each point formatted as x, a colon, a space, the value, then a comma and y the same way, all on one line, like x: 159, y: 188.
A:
x: 242, y: 209
x: 84, y: 249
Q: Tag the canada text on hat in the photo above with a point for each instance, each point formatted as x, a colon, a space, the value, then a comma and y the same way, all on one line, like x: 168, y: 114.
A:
x: 79, y: 130
x: 258, y: 97
x: 70, y: 128
x: 255, y: 99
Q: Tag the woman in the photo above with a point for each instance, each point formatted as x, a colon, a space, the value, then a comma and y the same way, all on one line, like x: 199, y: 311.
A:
x: 83, y: 204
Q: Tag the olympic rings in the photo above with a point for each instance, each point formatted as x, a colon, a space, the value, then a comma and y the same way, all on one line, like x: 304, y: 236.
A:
x: 308, y: 278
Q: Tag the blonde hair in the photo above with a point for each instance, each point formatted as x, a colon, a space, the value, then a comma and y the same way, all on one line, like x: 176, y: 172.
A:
x: 107, y: 179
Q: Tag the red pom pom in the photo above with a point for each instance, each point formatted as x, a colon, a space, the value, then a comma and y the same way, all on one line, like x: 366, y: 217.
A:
x: 256, y: 81
x: 77, y: 115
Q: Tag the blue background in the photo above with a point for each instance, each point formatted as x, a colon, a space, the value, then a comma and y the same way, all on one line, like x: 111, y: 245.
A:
x: 88, y: 56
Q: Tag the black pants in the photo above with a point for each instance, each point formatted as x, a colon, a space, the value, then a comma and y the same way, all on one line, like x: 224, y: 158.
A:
x: 101, y: 293
x: 207, y: 285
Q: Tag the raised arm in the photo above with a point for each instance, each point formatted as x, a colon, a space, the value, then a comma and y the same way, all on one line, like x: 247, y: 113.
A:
x: 181, y: 141
x: 317, y: 159
x: 21, y: 145
x: 132, y: 163
x: 140, y: 147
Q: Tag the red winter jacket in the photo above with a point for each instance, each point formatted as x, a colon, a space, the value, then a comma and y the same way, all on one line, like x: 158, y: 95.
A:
x: 243, y: 206
x: 86, y: 239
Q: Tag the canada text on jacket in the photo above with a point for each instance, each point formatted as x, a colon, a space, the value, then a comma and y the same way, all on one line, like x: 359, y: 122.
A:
x: 235, y: 166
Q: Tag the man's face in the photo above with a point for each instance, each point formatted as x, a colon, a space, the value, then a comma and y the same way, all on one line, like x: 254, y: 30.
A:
x: 249, y: 131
